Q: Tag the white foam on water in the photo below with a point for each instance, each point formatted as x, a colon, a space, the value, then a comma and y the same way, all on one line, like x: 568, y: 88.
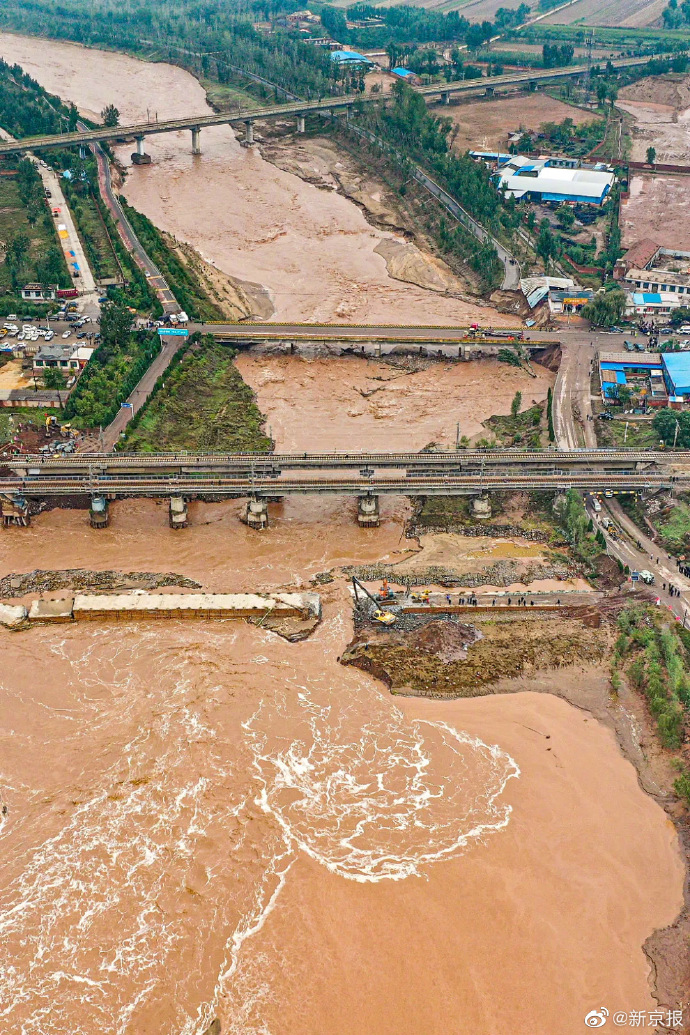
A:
x: 98, y: 915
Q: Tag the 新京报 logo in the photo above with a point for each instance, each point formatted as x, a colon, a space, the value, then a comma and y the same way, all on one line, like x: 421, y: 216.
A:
x: 596, y: 1018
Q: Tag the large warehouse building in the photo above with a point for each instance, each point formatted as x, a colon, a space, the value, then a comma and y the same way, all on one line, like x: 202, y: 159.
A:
x: 677, y: 373
x: 541, y: 180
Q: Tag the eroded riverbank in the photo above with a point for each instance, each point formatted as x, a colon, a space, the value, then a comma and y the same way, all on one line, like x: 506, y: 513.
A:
x: 211, y: 822
x: 311, y: 252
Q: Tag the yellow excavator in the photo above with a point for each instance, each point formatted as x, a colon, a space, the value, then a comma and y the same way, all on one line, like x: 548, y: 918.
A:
x: 384, y: 617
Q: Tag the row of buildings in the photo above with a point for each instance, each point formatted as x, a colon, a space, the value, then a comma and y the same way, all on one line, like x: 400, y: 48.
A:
x: 654, y: 379
x: 657, y: 279
x: 549, y: 179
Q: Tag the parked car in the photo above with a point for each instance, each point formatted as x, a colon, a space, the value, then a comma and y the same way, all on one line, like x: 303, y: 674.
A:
x: 66, y: 334
x: 605, y: 415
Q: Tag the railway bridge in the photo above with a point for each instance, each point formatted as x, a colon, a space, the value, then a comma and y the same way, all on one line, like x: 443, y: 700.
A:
x: 262, y: 477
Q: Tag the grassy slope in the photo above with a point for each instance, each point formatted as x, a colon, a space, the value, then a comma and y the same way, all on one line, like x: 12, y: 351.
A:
x: 203, y: 405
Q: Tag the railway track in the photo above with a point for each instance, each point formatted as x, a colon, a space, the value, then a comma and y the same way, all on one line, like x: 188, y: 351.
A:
x: 203, y: 484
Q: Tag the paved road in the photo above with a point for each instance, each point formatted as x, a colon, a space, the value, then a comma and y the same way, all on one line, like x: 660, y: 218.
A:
x: 572, y: 404
x: 572, y: 396
x: 130, y: 240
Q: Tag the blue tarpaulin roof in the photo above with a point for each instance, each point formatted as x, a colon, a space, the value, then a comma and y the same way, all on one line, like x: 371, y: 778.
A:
x: 677, y: 365
x: 646, y: 298
x: 350, y: 56
x: 402, y: 72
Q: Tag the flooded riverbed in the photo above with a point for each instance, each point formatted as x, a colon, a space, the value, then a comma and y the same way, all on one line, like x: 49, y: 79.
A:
x: 312, y: 250
x: 324, y: 404
x: 205, y: 820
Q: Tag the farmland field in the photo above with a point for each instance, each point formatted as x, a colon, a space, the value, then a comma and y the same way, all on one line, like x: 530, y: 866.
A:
x: 13, y: 217
x: 631, y: 13
x: 485, y: 125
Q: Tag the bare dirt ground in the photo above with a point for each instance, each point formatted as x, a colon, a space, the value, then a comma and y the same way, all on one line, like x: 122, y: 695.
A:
x: 633, y: 13
x: 658, y: 209
x: 661, y: 108
x: 657, y: 206
x: 486, y: 124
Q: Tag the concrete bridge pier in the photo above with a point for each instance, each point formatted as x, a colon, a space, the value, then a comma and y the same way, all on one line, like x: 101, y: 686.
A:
x: 196, y: 140
x: 256, y: 514
x: 139, y: 157
x: 445, y: 97
x: 489, y: 92
x: 481, y: 507
x: 300, y: 123
x: 82, y: 152
x: 249, y: 131
x: 368, y: 512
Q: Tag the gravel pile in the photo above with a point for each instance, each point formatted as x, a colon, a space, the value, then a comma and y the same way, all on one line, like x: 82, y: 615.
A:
x: 502, y: 573
x: 38, y: 581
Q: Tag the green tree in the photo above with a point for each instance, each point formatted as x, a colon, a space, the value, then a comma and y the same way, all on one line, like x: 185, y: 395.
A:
x: 606, y: 308
x: 54, y: 380
x: 565, y: 216
x: 672, y: 427
x: 546, y: 245
x: 623, y: 394
x: 17, y: 254
x: 651, y: 155
x: 110, y: 115
x: 516, y: 404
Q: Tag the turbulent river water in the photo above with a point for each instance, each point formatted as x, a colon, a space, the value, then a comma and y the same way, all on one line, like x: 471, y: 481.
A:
x: 204, y: 820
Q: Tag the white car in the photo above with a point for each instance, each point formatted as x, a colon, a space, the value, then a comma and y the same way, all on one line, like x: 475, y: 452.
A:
x: 66, y: 334
x: 49, y: 335
x: 684, y: 328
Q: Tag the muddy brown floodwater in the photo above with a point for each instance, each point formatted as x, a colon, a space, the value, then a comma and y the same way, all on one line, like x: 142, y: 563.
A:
x: 207, y: 821
x: 322, y: 404
x: 311, y: 250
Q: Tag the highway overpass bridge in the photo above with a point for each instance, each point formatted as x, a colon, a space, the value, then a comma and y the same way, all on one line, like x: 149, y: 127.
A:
x: 297, y: 109
x: 262, y: 477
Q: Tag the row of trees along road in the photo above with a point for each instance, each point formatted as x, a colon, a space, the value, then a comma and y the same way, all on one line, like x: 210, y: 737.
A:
x: 423, y: 138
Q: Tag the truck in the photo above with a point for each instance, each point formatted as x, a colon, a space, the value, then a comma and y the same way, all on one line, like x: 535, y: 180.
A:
x: 646, y: 577
x: 182, y: 317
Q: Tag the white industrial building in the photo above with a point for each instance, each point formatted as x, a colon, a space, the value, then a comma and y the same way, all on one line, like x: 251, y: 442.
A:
x: 542, y: 180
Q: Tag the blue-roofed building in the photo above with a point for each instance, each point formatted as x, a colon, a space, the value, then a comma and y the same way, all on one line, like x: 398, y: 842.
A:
x: 677, y: 372
x: 350, y: 57
x: 554, y: 180
x: 653, y: 303
x: 640, y: 371
x: 406, y: 74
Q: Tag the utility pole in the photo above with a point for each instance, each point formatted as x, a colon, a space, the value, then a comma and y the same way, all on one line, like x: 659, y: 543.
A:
x: 675, y: 434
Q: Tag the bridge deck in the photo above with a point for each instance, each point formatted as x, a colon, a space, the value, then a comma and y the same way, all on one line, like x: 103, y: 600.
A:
x: 142, y: 129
